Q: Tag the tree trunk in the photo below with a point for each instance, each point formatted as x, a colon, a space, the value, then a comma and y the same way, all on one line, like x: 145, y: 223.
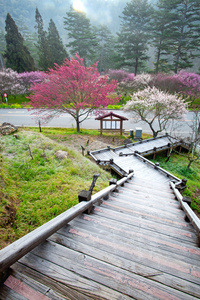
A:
x: 188, y: 166
x: 77, y: 125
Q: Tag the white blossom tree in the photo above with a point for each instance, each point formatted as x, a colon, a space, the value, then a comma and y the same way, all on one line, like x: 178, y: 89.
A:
x: 10, y: 83
x: 156, y: 108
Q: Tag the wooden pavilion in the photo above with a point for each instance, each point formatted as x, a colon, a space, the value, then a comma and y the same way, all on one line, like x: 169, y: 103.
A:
x: 111, y: 122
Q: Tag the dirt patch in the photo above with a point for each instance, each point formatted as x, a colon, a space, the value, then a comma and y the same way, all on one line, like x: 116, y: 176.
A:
x: 89, y: 142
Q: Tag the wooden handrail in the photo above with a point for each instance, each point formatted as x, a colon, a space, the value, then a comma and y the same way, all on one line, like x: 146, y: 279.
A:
x: 22, y: 246
x: 158, y: 168
x: 189, y: 212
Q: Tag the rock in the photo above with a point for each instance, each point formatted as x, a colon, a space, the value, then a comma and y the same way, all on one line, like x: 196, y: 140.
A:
x: 7, y: 128
x: 61, y: 154
x: 127, y: 141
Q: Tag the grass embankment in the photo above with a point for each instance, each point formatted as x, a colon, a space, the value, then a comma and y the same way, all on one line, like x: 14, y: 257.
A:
x: 35, y: 186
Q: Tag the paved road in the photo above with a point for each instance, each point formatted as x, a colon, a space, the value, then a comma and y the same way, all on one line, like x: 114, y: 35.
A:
x: 23, y: 117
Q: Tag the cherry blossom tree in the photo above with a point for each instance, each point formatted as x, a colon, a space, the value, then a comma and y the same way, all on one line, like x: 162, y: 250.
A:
x: 10, y: 83
x: 30, y: 78
x: 185, y: 83
x: 156, y: 107
x: 72, y: 88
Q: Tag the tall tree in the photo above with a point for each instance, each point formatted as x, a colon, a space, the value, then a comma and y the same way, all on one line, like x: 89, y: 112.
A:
x: 80, y: 32
x: 134, y: 34
x: 178, y: 32
x: 162, y: 16
x: 57, y: 52
x: 17, y: 54
x: 106, y: 52
x: 42, y: 43
x: 185, y: 33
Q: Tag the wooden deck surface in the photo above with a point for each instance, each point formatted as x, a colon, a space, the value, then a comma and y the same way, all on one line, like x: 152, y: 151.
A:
x: 135, y: 245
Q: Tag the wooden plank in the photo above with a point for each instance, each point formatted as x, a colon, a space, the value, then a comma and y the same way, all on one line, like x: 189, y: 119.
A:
x: 23, y: 289
x: 9, y: 294
x: 59, y: 289
x: 147, y: 199
x: 38, y: 286
x: 80, y: 282
x: 147, y: 257
x: 144, y: 236
x: 186, y: 237
x: 141, y: 196
x: 131, y: 242
x: 150, y: 214
x: 149, y: 206
x: 108, y: 275
x: 121, y: 261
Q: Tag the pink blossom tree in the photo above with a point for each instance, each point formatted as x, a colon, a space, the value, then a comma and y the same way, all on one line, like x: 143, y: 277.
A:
x: 10, y: 83
x: 156, y: 108
x: 72, y: 88
x: 30, y: 78
x: 185, y: 83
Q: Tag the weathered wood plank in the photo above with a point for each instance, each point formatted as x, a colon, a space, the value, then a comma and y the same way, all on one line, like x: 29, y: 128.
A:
x: 149, y: 214
x: 145, y: 202
x: 79, y: 282
x: 9, y: 294
x: 124, y: 281
x: 121, y: 261
x: 23, y: 289
x: 144, y: 236
x: 185, y: 236
x: 38, y: 286
x: 69, y: 293
x: 161, y: 260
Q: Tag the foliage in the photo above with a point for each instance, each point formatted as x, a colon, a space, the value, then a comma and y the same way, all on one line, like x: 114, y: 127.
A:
x: 17, y: 54
x: 57, y: 52
x: 34, y: 190
x: 72, y: 88
x: 134, y: 34
x: 81, y: 34
x: 106, y: 53
x: 176, y: 33
x: 154, y: 106
x: 10, y: 83
x: 42, y: 43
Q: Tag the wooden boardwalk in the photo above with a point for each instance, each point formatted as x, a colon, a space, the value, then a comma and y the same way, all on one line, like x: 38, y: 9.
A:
x: 135, y: 245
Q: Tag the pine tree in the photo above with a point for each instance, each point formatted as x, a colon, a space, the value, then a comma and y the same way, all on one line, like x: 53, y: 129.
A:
x: 161, y: 40
x: 134, y: 34
x: 185, y: 33
x: 105, y: 51
x: 42, y: 43
x: 177, y: 30
x: 83, y: 40
x: 57, y: 52
x: 17, y: 54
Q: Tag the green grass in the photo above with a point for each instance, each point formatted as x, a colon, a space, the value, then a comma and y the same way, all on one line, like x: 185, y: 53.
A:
x: 177, y: 165
x: 33, y: 191
x: 15, y: 101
